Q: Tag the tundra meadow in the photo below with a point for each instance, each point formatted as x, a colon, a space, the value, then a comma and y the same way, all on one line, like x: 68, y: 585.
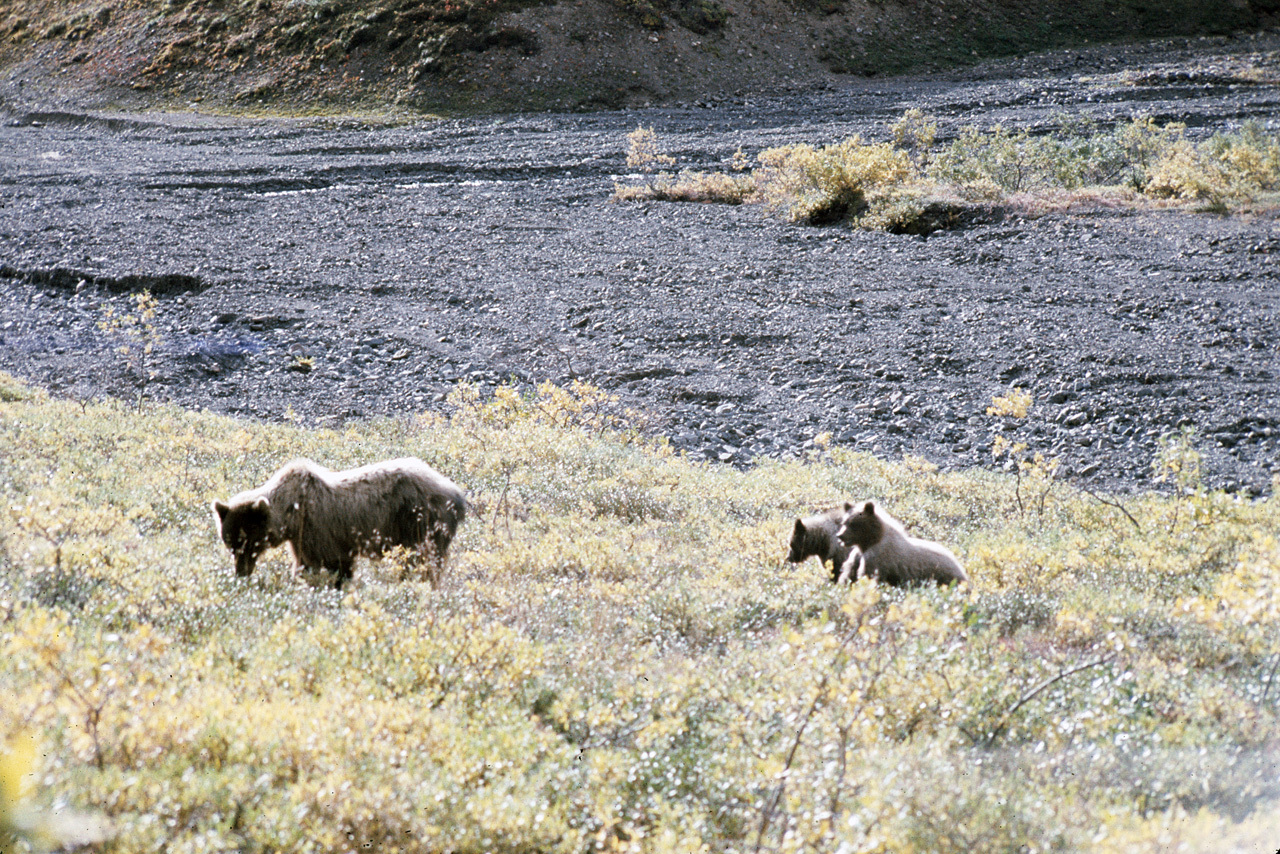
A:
x: 620, y: 659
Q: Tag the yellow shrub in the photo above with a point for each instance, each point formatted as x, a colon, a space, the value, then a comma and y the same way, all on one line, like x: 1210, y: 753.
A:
x: 620, y: 659
x: 829, y: 183
x: 1185, y: 172
x: 1245, y: 603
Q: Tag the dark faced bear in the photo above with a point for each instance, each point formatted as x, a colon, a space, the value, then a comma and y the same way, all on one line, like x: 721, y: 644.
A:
x: 331, y: 518
x: 246, y: 530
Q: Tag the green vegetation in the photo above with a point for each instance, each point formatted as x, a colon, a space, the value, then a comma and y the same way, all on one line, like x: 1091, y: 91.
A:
x: 619, y: 659
x: 913, y: 184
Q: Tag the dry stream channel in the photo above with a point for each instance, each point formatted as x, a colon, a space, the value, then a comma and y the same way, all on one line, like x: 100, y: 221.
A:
x: 335, y: 270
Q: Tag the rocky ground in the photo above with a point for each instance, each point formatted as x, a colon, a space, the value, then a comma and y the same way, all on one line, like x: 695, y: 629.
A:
x: 328, y: 270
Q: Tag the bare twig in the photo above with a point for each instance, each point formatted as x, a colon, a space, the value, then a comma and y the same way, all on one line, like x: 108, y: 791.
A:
x: 1116, y: 504
x: 1031, y: 695
x: 503, y: 506
x: 771, y: 806
x: 1271, y: 678
x: 92, y: 711
x: 833, y: 807
x: 565, y: 354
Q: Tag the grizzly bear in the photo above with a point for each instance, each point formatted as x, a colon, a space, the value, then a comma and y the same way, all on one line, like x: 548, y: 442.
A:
x: 880, y: 549
x: 816, y: 535
x: 330, y: 518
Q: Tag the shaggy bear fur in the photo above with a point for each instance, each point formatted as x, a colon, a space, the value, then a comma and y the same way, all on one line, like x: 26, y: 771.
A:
x: 816, y: 535
x: 330, y: 518
x: 880, y: 549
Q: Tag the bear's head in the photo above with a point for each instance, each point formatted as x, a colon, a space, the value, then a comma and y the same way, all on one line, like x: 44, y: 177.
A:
x: 813, y: 535
x: 246, y: 529
x: 861, y: 527
x: 799, y: 543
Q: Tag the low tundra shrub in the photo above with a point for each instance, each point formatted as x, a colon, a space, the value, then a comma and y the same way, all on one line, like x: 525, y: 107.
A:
x: 832, y: 183
x: 913, y: 185
x: 645, y: 154
x: 1227, y: 168
x: 620, y: 658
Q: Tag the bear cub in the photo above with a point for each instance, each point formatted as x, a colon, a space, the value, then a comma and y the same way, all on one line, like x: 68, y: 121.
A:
x: 879, y: 548
x: 816, y: 535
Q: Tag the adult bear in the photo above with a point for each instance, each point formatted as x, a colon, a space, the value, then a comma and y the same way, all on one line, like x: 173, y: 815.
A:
x: 880, y: 549
x: 330, y: 518
x: 816, y: 535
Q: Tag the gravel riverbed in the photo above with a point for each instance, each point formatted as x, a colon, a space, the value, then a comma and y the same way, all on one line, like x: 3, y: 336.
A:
x: 330, y: 270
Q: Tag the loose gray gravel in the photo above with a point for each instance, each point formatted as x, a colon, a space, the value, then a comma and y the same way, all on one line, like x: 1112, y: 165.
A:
x: 396, y: 260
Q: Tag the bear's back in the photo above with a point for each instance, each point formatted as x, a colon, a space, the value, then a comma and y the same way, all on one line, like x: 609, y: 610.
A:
x: 901, y: 559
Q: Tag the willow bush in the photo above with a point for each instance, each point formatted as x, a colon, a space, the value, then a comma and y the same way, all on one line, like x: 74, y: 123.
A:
x: 913, y: 183
x: 620, y: 659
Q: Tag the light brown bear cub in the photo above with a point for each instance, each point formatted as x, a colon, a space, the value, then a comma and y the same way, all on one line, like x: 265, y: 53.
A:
x: 816, y: 535
x: 331, y: 518
x: 881, y: 549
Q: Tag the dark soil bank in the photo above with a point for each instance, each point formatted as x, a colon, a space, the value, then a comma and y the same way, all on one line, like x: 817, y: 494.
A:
x: 343, y: 270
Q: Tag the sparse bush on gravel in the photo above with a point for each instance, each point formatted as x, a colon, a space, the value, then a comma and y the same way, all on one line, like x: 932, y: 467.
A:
x: 913, y: 185
x: 645, y: 154
x: 620, y: 659
x: 1159, y: 162
x: 1227, y: 169
x: 832, y: 183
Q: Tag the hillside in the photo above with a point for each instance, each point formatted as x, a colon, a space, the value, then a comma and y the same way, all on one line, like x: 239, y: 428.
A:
x: 449, y: 55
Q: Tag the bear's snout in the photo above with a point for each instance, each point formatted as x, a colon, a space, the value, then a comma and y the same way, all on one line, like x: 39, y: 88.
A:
x: 245, y: 562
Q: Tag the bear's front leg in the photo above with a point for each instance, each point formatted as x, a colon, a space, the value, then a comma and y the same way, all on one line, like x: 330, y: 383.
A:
x: 853, y: 569
x: 342, y: 573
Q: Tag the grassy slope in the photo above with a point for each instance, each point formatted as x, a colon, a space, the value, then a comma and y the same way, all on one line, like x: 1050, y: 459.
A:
x: 504, y: 54
x: 620, y: 659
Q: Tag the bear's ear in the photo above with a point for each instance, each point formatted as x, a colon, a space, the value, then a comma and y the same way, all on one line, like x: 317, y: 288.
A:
x: 262, y: 505
x: 800, y: 530
x: 221, y: 508
x: 869, y: 508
